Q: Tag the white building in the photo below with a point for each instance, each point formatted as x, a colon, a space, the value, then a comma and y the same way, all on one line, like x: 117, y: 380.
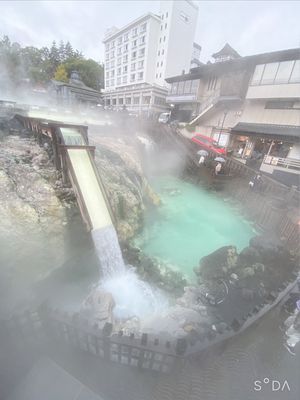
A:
x: 139, y: 56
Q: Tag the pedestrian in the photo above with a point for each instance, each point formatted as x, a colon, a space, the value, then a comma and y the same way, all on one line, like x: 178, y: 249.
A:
x: 201, y: 160
x: 293, y: 332
x: 218, y: 168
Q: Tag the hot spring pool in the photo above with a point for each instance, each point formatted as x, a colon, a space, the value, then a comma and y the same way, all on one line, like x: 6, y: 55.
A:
x: 190, y: 223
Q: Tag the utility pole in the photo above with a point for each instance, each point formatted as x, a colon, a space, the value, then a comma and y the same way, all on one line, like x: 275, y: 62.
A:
x: 221, y: 130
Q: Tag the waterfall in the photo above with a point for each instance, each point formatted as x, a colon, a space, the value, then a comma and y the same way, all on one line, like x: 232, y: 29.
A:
x: 108, y: 251
x: 133, y: 297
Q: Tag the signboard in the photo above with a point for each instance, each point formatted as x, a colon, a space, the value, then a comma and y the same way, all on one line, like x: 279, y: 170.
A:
x: 222, y: 138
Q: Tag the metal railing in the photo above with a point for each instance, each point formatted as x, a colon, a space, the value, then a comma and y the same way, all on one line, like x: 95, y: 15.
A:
x: 290, y: 163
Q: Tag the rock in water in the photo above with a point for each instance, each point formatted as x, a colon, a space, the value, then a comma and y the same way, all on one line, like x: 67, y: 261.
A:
x: 218, y: 263
x: 98, y: 307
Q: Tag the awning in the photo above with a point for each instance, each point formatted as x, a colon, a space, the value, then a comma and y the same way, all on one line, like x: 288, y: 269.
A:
x: 267, y: 130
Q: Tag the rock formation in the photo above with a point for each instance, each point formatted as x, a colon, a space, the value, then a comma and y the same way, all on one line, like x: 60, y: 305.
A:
x: 128, y: 191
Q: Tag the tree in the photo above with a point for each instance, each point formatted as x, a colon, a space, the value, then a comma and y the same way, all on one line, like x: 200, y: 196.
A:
x: 61, y: 74
x: 90, y: 71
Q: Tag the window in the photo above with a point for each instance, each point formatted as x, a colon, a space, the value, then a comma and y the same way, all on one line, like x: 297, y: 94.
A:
x: 194, y: 86
x: 159, y: 101
x: 295, y: 77
x: 125, y: 69
x: 106, y: 56
x: 160, y: 75
x: 107, y: 46
x: 184, y: 17
x: 161, y: 63
x: 156, y: 76
x: 161, y: 27
x: 112, y: 64
x: 142, y: 39
x: 126, y: 37
x: 187, y: 87
x: 146, y: 99
x: 133, y: 55
x: 136, y: 100
x: 162, y: 52
x: 269, y: 73
x: 174, y: 87
x: 125, y: 59
x: 118, y: 81
x: 112, y: 74
x: 157, y: 64
x: 114, y: 101
x: 128, y: 100
x: 143, y: 27
x: 133, y: 67
x: 141, y: 64
x: 134, y: 32
x: 107, y: 83
x: 113, y: 44
x: 107, y: 65
x: 158, y: 53
x: 120, y: 40
x: 119, y: 51
x: 119, y: 71
x: 134, y: 43
x: 126, y: 47
x: 284, y: 72
x: 166, y: 26
x: 132, y: 77
x: 108, y: 102
x: 107, y: 74
x: 180, y: 87
x: 142, y: 52
x: 119, y: 61
x: 124, y: 79
x: 112, y: 54
x: 212, y: 83
x: 121, y: 101
x: 259, y: 69
x: 215, y: 83
x: 140, y: 76
x: 164, y: 38
x: 112, y: 82
x: 167, y: 14
x: 279, y: 105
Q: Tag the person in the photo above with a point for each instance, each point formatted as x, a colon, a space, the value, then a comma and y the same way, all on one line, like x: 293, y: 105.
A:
x: 201, y: 160
x: 218, y: 168
x: 293, y: 331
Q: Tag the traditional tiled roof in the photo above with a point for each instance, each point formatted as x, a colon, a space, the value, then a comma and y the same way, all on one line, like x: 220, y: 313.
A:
x: 227, y: 50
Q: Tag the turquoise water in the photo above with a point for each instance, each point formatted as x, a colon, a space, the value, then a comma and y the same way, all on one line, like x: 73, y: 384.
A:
x: 190, y: 223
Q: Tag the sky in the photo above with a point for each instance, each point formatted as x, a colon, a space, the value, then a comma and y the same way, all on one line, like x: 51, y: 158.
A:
x: 251, y: 27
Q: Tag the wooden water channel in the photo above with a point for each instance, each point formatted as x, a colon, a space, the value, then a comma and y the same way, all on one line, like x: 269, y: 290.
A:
x: 52, y: 132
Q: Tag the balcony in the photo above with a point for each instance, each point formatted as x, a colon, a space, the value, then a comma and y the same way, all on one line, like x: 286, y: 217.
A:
x: 274, y: 91
x: 184, y: 98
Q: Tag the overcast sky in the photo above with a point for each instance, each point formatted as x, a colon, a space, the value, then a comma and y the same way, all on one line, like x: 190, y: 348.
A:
x: 251, y: 27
